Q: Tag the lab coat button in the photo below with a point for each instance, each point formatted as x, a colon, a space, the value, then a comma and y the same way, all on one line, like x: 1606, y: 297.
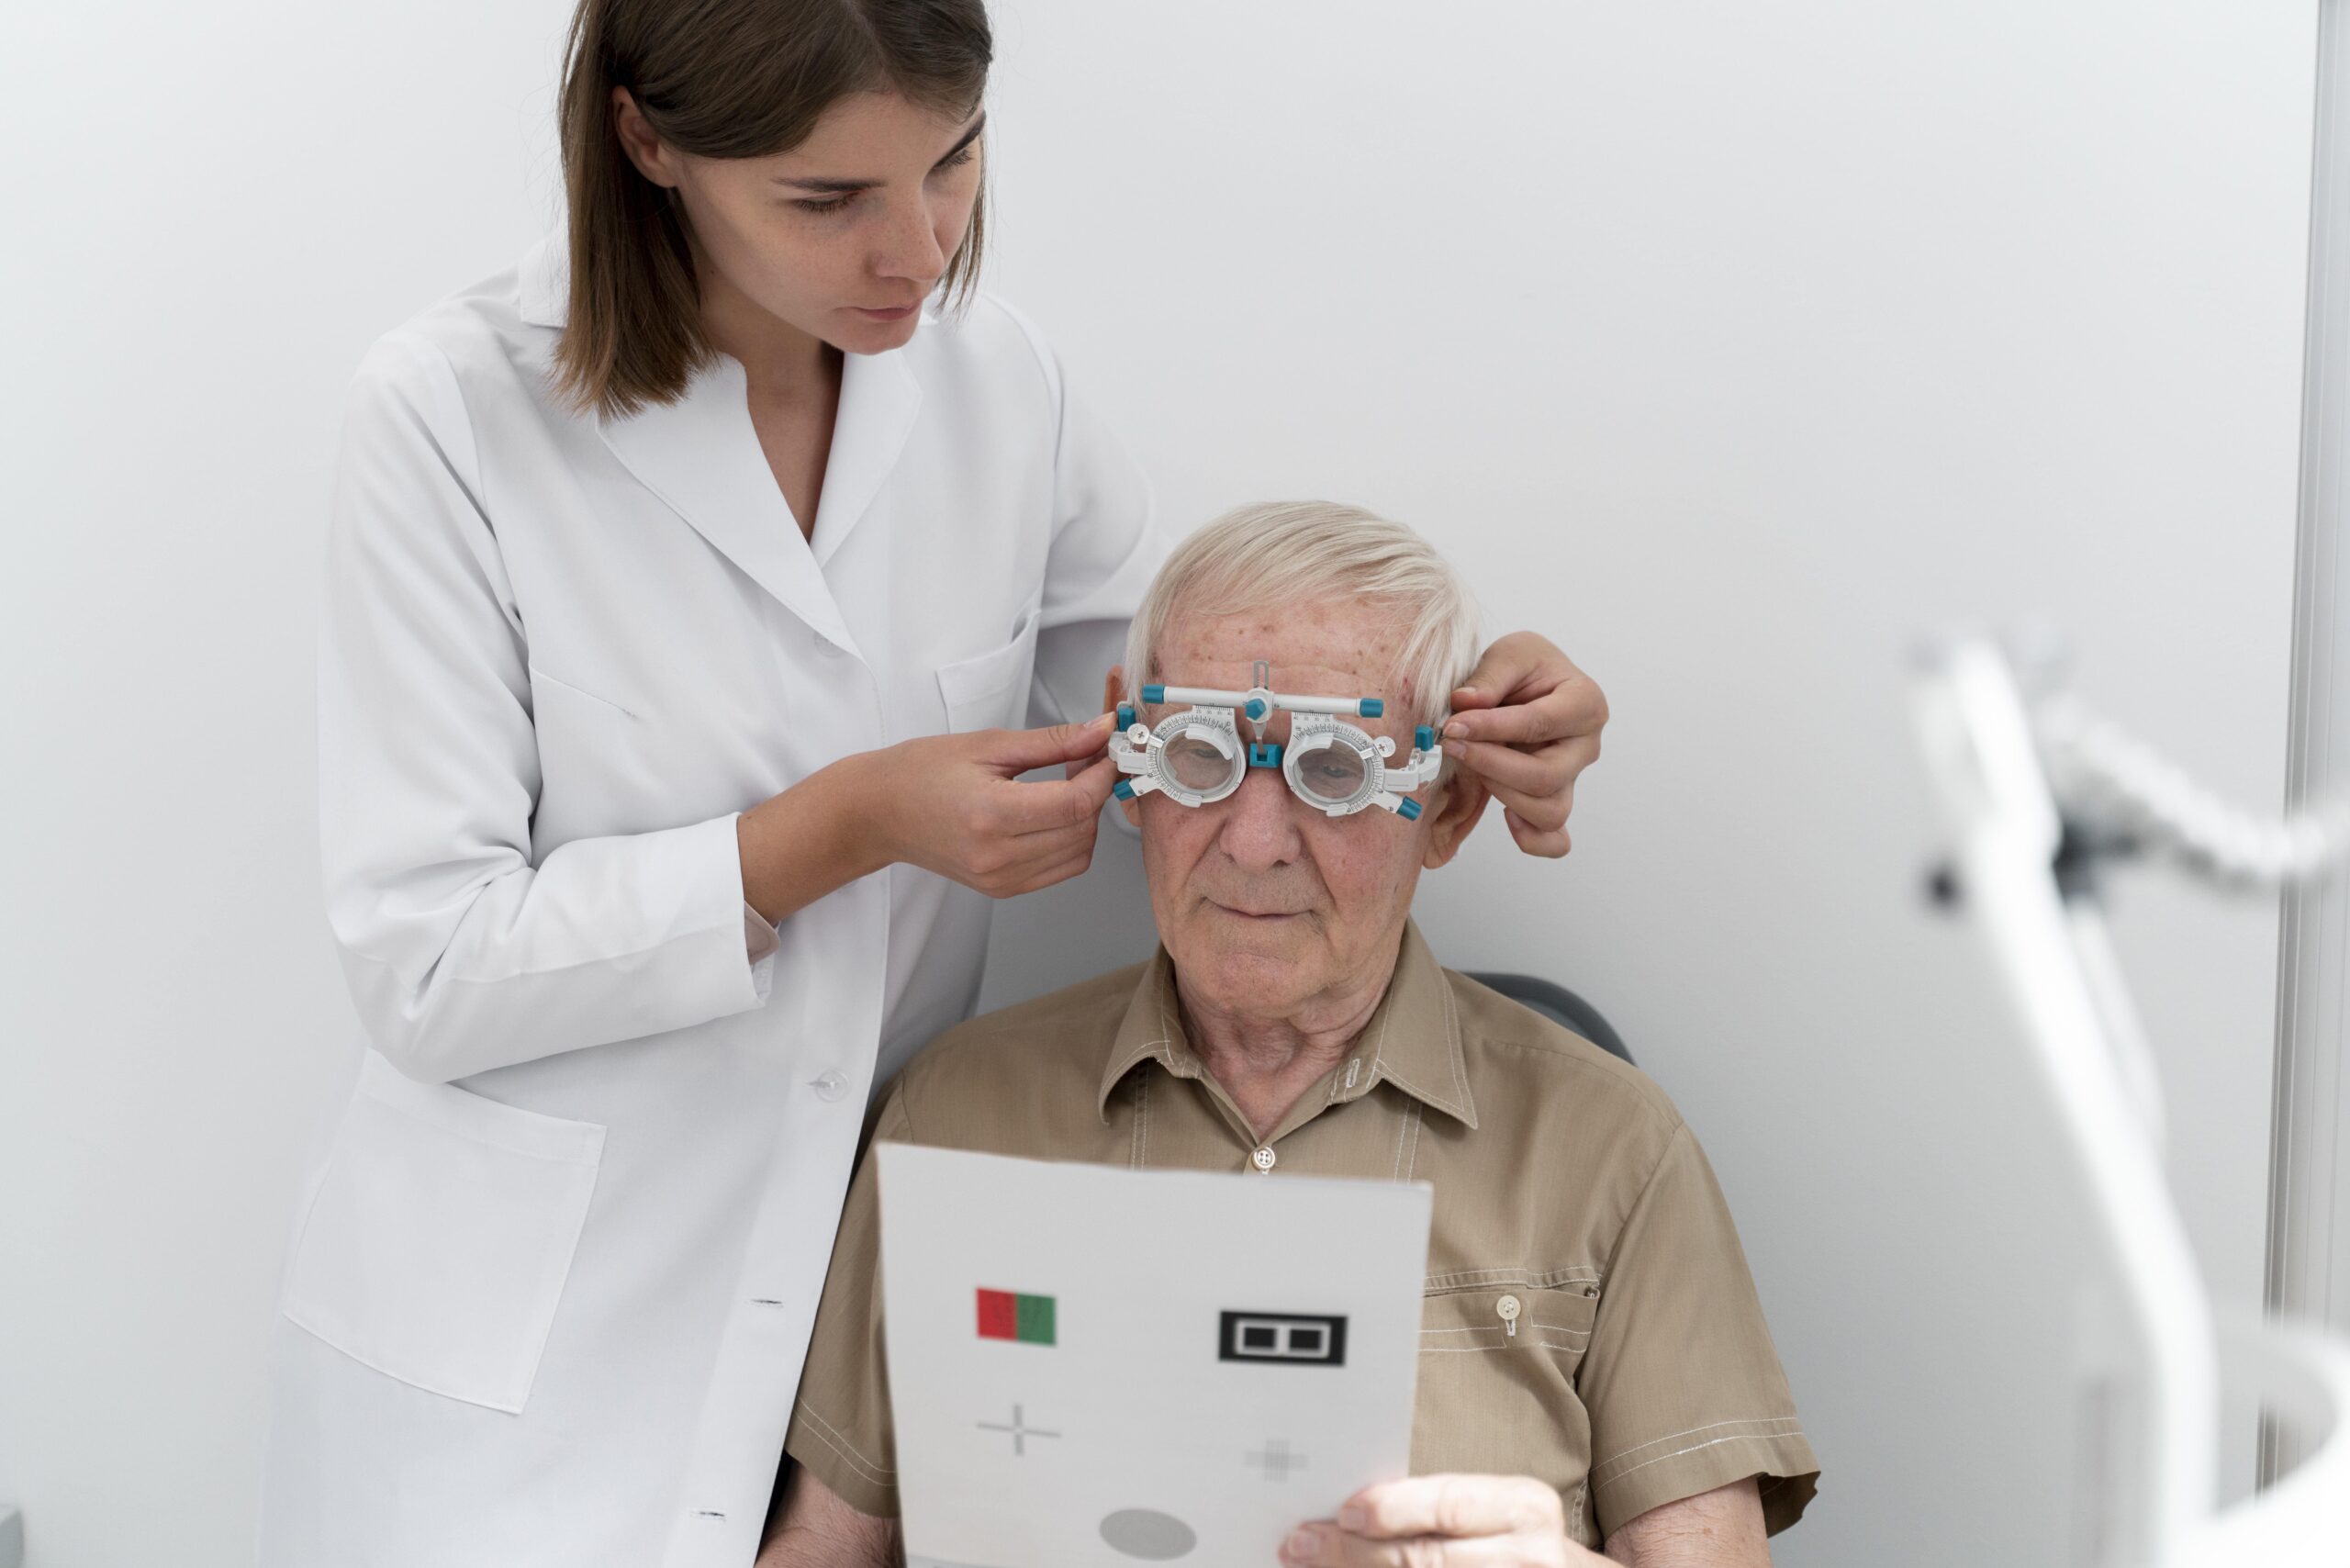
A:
x: 829, y: 1087
x: 1263, y: 1158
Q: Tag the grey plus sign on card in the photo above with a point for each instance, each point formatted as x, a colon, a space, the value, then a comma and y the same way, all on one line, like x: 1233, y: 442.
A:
x: 1019, y: 1430
x: 1277, y: 1460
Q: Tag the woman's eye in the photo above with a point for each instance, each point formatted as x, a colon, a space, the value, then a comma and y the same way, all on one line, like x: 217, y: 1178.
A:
x: 958, y: 160
x: 823, y: 204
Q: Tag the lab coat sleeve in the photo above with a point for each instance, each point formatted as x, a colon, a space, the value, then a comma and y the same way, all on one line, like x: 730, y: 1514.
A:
x: 461, y: 954
x: 1106, y: 546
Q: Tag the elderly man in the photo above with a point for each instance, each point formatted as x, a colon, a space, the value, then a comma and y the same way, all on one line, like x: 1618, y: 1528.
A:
x: 1594, y: 1365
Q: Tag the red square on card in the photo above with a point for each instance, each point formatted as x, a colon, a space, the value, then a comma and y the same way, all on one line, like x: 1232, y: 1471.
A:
x: 999, y: 1315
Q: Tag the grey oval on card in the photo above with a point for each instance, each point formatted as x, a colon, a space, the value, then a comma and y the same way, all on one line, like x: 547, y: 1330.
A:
x: 1149, y: 1534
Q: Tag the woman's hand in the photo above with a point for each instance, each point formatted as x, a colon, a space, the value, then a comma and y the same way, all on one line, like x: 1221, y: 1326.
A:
x: 1442, y: 1521
x: 954, y: 804
x: 1526, y: 724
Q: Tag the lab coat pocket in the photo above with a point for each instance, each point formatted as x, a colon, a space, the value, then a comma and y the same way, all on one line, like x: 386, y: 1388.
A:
x: 991, y: 688
x: 440, y: 1234
x: 541, y: 677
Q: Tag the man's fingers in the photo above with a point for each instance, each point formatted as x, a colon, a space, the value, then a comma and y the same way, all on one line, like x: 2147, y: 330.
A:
x: 1451, y: 1506
x: 1339, y: 1550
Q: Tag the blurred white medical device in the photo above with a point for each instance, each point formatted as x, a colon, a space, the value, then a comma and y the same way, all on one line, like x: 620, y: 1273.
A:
x: 2041, y: 797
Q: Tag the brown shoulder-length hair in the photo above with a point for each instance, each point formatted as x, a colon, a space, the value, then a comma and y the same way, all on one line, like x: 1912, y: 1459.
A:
x: 719, y: 79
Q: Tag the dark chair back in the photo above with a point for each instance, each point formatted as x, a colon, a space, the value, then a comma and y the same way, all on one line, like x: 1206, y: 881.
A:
x: 1562, y: 1007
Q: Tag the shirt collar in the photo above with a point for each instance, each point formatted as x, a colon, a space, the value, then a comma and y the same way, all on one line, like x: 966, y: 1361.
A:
x: 1411, y: 1041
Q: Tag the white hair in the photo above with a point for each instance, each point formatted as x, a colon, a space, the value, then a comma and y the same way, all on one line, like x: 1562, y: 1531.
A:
x: 1259, y: 557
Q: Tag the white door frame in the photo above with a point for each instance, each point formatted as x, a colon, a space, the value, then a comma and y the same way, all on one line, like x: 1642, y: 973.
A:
x: 2309, y: 1188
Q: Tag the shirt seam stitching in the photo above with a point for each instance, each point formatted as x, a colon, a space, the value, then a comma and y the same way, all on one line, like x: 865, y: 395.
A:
x: 833, y: 1438
x: 1519, y: 1274
x: 1623, y: 1454
x: 1695, y: 1448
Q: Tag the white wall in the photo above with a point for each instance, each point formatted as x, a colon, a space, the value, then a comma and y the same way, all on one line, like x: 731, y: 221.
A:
x: 1735, y: 346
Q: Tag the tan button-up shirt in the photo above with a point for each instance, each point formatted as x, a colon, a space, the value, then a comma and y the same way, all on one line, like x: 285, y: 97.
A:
x: 1589, y: 1318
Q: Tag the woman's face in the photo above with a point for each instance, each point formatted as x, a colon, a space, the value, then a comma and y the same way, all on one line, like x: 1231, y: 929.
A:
x: 843, y: 236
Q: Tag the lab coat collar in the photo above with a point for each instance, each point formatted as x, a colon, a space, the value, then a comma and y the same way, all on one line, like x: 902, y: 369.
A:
x: 701, y: 456
x: 1411, y: 1041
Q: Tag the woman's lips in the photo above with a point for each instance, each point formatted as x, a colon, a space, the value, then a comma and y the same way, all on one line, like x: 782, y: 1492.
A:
x: 894, y: 313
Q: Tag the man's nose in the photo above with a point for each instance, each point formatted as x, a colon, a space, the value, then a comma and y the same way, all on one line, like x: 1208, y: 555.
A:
x: 1260, y: 829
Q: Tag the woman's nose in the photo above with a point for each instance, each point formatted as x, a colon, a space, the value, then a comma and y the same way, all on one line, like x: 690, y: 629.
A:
x: 910, y: 247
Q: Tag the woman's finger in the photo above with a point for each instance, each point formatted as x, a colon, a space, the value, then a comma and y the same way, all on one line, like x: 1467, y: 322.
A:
x: 1055, y: 805
x: 1574, y: 706
x: 1548, y: 813
x: 1517, y: 667
x: 1014, y: 751
x: 1550, y: 843
x: 1545, y: 770
x: 1061, y: 872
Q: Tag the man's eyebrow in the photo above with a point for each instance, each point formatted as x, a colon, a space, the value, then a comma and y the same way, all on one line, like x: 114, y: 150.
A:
x: 835, y: 187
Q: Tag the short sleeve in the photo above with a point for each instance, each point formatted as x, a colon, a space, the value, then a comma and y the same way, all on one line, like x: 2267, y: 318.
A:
x: 840, y: 1430
x: 1681, y: 1380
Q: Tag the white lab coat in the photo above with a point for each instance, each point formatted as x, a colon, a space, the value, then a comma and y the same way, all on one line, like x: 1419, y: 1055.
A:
x: 549, y: 1292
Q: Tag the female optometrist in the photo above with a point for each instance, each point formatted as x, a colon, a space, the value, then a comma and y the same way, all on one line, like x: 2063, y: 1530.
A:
x: 682, y: 587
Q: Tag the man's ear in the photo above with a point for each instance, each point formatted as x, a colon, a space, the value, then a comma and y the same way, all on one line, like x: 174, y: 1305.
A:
x: 1462, y: 801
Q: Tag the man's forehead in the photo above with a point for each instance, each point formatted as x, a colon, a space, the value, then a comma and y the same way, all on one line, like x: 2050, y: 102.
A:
x: 1324, y: 650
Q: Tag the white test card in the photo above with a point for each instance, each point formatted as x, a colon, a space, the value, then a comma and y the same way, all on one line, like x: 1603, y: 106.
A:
x: 1092, y: 1367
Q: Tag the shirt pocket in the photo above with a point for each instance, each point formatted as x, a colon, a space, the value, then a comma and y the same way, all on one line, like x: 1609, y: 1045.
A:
x: 1494, y: 1402
x: 991, y: 689
x: 439, y: 1235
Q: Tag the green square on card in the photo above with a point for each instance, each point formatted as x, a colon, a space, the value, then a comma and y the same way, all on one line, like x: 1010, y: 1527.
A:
x: 1035, y: 1320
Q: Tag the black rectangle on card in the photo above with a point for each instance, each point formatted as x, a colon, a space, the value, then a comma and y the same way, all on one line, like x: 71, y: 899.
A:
x: 1288, y: 1338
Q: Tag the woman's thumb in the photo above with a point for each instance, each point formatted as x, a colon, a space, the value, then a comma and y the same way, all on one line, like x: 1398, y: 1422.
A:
x: 1024, y: 749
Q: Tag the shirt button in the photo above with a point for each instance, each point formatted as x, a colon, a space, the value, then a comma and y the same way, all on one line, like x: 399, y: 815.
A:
x: 829, y: 1087
x: 1509, y: 1309
x: 1263, y: 1158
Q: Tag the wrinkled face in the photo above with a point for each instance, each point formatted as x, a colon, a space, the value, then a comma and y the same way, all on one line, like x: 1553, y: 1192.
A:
x: 1264, y: 903
x: 845, y: 235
